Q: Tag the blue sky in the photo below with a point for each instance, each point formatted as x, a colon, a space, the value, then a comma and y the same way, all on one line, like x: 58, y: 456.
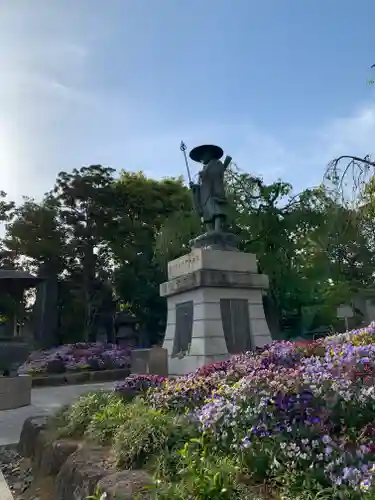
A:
x: 279, y: 84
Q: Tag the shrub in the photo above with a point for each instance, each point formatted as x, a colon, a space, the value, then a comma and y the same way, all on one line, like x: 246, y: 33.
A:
x: 151, y: 433
x: 204, y: 476
x: 74, y: 420
x: 104, y: 423
x: 139, y: 384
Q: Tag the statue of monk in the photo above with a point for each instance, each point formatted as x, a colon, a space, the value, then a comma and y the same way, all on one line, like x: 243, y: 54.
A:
x: 209, y: 196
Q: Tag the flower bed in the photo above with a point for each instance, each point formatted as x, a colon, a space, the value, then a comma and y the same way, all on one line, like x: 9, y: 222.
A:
x: 75, y: 358
x: 139, y: 384
x: 292, y: 421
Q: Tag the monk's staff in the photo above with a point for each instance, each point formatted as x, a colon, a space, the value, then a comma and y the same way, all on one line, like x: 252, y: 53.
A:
x: 183, y: 149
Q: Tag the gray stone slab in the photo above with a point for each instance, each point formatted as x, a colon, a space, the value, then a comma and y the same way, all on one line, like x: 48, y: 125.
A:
x: 15, y: 392
x: 215, y: 279
x: 44, y: 401
x: 152, y: 361
x: 184, y: 327
x: 219, y: 260
x: 236, y: 324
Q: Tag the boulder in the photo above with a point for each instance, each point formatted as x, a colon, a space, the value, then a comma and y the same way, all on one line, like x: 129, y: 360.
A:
x: 93, y: 364
x: 55, y: 366
x: 126, y: 485
x: 50, y: 456
x: 80, y: 474
x: 29, y: 434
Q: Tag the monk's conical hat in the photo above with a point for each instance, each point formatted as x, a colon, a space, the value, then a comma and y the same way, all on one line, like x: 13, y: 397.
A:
x: 207, y: 151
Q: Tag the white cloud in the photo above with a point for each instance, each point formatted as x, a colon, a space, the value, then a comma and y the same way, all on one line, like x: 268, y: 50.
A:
x: 40, y: 73
x: 351, y: 134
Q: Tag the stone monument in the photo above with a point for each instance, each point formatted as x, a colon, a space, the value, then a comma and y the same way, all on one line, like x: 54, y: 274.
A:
x: 125, y: 329
x: 215, y: 293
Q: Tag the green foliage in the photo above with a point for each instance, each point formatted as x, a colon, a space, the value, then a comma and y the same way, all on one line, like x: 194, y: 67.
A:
x: 98, y: 495
x: 109, y: 237
x: 97, y: 233
x: 104, y: 423
x: 151, y: 432
x: 204, y: 476
x: 74, y: 420
x: 86, y: 209
x: 304, y: 243
x: 144, y: 205
x: 6, y: 207
x: 36, y: 232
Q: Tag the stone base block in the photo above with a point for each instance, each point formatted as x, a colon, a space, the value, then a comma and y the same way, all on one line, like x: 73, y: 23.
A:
x: 13, y: 354
x: 189, y: 364
x: 15, y: 392
x: 216, y: 260
x: 207, y: 325
x: 152, y: 361
x: 215, y: 308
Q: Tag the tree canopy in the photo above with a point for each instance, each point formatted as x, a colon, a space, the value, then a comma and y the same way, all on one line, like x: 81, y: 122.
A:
x: 108, y: 237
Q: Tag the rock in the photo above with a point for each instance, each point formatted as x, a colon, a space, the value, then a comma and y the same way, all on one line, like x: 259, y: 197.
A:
x: 80, y: 474
x: 41, y: 442
x: 50, y: 456
x: 93, y: 364
x: 29, y: 434
x: 17, y: 485
x: 55, y: 455
x: 108, y: 363
x: 126, y: 485
x: 55, y: 366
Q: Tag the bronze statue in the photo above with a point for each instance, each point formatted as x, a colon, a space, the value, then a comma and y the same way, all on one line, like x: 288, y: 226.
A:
x: 209, y: 196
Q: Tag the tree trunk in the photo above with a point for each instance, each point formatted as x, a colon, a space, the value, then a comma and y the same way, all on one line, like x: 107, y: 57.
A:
x: 89, y: 262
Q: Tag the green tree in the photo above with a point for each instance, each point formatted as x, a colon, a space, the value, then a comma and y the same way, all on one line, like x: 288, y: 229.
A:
x: 35, y: 232
x: 95, y: 231
x: 295, y: 237
x: 65, y: 235
x: 86, y: 210
x: 144, y: 205
x: 351, y: 181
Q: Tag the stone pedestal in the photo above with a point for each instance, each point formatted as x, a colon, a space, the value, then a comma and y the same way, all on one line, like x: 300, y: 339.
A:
x: 152, y: 361
x: 15, y: 392
x: 13, y: 354
x: 215, y: 308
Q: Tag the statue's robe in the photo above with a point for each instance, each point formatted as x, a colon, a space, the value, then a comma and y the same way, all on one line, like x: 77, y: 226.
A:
x: 211, y: 193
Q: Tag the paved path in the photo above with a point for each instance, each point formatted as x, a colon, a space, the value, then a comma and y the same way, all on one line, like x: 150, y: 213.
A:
x: 44, y: 400
x: 5, y: 493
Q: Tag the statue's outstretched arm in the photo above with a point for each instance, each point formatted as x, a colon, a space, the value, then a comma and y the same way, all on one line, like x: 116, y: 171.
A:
x: 227, y: 162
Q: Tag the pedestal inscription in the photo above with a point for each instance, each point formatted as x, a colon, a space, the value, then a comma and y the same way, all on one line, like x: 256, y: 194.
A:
x: 236, y: 324
x: 184, y: 327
